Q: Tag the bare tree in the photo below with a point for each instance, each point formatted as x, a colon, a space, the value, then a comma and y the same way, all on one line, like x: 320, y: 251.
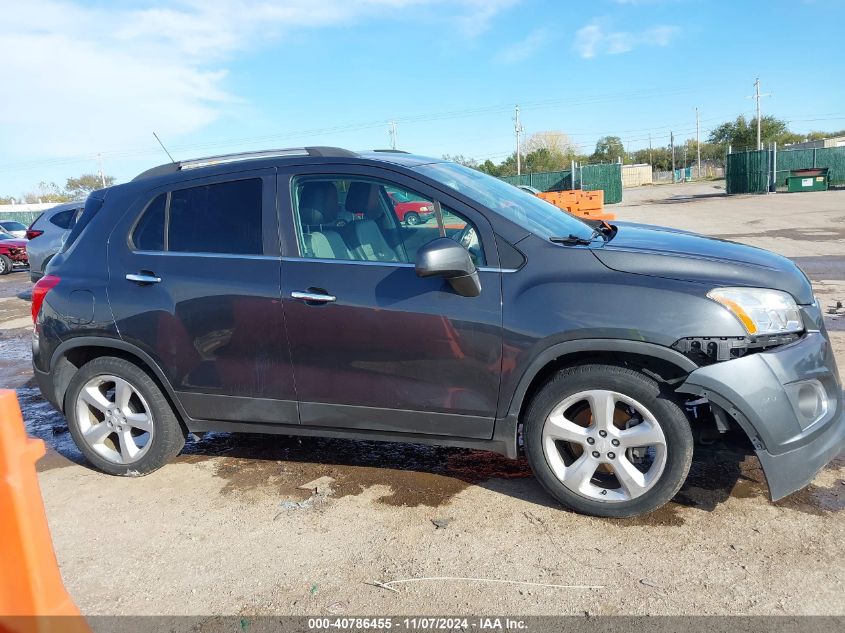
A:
x: 553, y: 141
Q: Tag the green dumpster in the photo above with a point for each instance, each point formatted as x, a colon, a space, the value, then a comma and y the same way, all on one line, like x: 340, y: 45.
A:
x: 815, y: 179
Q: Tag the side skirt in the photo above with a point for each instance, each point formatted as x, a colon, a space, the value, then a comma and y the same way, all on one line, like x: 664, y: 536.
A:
x: 501, y: 446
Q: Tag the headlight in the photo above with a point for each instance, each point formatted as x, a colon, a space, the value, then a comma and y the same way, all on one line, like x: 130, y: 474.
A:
x: 760, y: 310
x: 423, y: 209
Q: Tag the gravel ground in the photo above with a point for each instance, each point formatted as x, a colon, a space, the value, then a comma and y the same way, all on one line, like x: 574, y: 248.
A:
x: 226, y: 529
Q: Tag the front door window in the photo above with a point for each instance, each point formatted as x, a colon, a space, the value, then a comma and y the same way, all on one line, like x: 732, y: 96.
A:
x: 359, y: 219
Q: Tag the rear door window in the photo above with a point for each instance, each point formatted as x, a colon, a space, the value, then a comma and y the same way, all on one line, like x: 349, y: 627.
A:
x: 216, y: 218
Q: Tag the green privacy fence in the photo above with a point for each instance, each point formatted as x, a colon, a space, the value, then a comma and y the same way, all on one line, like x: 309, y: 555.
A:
x: 755, y: 171
x: 748, y: 172
x: 604, y: 176
x: 543, y: 180
x: 24, y: 217
x: 831, y: 157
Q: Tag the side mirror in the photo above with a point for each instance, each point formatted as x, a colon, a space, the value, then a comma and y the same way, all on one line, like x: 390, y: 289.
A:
x: 448, y: 259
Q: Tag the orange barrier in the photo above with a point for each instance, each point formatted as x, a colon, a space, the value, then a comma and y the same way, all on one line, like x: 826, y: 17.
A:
x: 30, y: 583
x: 585, y: 204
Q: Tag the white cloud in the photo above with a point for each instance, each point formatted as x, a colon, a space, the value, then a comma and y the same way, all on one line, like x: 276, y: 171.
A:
x: 595, y: 39
x: 525, y: 48
x: 78, y: 78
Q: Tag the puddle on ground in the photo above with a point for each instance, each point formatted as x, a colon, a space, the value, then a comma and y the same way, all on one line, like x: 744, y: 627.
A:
x: 15, y: 357
x: 44, y: 422
x: 416, y: 475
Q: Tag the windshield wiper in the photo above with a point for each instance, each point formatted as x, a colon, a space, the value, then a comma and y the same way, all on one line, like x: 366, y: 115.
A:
x: 572, y: 240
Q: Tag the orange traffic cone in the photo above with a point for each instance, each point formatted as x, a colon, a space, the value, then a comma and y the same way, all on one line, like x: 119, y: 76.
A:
x: 32, y: 596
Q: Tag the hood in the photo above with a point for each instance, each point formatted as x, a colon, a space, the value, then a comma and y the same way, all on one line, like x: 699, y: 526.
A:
x: 16, y: 243
x: 662, y: 252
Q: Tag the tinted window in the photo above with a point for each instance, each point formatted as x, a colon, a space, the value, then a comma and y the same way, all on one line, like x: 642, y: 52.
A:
x: 219, y: 218
x: 362, y: 220
x: 64, y: 219
x: 13, y: 226
x: 149, y: 232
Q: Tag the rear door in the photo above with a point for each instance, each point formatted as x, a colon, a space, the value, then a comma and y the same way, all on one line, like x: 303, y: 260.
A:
x: 375, y: 347
x: 194, y: 282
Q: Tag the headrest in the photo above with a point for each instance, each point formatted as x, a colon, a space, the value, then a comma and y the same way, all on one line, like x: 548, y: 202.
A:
x: 363, y: 197
x: 321, y: 196
x: 310, y: 216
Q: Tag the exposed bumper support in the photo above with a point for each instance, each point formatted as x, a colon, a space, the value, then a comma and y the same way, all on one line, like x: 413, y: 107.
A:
x: 788, y: 401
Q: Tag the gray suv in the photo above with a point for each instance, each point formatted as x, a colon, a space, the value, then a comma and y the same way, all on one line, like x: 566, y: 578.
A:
x: 278, y: 292
x: 50, y: 229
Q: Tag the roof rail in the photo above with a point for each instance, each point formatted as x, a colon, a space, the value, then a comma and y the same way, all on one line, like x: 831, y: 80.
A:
x: 196, y: 163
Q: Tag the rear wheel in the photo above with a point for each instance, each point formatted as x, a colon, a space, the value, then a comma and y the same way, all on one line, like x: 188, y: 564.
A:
x: 605, y: 440
x: 5, y: 265
x: 120, y: 419
x: 412, y: 218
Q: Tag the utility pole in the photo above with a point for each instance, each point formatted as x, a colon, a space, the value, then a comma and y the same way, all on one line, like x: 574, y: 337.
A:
x: 517, y: 127
x: 100, y: 165
x: 698, y: 140
x: 650, y: 157
x: 758, y: 96
x: 392, y: 132
x: 672, y: 145
x: 684, y: 177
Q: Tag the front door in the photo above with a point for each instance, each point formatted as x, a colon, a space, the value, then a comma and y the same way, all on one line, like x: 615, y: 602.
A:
x: 374, y: 347
x: 195, y: 284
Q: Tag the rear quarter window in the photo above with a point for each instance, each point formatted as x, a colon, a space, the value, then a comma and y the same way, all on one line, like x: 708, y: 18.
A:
x: 148, y: 234
x: 64, y: 219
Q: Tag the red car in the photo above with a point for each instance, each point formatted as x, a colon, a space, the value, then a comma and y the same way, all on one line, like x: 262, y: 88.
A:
x: 409, y: 210
x: 12, y: 253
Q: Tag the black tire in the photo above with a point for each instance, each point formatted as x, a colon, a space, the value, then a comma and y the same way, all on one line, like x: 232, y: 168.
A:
x: 671, y: 419
x: 168, y: 436
x: 412, y: 218
x: 5, y: 265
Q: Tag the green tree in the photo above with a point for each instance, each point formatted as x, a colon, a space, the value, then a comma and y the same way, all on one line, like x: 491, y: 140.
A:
x: 608, y: 149
x: 741, y: 134
x: 79, y: 188
x: 489, y: 167
x: 817, y: 135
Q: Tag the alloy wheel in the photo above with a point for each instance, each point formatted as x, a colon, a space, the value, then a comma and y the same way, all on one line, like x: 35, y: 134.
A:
x: 114, y: 419
x: 604, y: 445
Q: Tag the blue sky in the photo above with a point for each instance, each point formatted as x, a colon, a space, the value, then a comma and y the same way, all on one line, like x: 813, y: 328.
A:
x: 211, y: 76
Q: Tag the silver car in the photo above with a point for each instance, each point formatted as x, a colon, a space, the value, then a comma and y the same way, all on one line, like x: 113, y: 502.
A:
x: 14, y: 228
x: 47, y: 235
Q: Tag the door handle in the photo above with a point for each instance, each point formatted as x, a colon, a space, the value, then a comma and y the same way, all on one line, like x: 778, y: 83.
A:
x: 143, y: 278
x: 313, y: 297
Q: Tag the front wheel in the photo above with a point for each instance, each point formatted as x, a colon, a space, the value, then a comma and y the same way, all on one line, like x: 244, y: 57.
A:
x: 606, y: 441
x: 120, y: 419
x: 412, y: 219
x: 5, y: 265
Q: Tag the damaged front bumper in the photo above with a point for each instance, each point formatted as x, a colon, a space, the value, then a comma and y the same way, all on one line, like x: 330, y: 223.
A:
x: 789, y: 402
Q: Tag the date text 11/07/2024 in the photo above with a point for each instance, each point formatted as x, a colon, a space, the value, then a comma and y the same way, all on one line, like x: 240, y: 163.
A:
x: 417, y: 624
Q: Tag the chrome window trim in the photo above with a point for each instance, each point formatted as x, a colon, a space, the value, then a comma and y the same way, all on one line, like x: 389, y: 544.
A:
x: 221, y: 255
x: 358, y: 262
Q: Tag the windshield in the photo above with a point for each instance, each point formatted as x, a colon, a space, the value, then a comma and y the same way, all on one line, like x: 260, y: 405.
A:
x: 528, y: 211
x: 13, y: 226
